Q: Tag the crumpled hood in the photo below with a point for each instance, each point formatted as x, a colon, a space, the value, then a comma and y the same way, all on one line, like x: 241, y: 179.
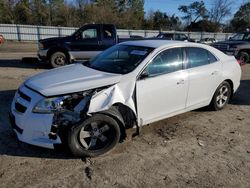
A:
x: 70, y: 79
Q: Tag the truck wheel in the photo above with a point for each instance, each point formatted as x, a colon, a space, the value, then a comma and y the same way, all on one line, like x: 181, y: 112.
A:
x: 95, y: 136
x: 58, y: 59
x: 244, y: 57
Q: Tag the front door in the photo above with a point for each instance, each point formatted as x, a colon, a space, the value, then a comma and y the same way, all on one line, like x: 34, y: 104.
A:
x: 164, y: 88
x: 86, y: 43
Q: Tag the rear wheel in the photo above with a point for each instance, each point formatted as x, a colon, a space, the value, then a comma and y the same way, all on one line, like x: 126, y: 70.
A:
x: 58, y: 59
x: 243, y: 57
x: 221, y: 96
x: 95, y: 136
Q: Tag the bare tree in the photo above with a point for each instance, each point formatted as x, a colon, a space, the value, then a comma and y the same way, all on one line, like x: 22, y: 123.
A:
x: 220, y: 10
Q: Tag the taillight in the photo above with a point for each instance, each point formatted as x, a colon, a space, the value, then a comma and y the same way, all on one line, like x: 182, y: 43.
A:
x: 238, y: 61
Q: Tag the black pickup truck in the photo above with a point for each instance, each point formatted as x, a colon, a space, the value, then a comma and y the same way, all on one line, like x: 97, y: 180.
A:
x: 238, y: 45
x: 84, y: 43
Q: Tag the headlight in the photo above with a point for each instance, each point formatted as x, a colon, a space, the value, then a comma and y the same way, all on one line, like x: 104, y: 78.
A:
x: 49, y: 105
x: 40, y: 45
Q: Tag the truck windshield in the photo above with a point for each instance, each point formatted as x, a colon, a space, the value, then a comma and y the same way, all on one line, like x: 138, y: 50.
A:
x: 119, y: 59
x: 239, y: 36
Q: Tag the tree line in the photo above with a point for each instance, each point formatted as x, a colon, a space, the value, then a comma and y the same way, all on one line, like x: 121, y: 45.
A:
x: 125, y: 14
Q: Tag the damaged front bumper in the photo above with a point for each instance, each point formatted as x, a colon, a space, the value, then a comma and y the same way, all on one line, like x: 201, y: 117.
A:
x: 31, y: 128
x: 46, y: 129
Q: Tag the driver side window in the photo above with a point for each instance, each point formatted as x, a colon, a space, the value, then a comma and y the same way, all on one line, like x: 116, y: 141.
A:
x: 166, y: 62
x: 89, y: 34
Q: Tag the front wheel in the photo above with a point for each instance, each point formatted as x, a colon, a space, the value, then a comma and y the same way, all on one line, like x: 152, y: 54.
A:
x: 58, y: 59
x: 95, y: 136
x: 221, y: 96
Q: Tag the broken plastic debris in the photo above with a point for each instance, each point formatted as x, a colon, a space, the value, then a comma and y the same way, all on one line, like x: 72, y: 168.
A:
x: 201, y: 143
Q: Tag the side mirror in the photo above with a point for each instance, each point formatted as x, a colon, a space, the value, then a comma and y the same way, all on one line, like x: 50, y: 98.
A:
x: 144, y: 74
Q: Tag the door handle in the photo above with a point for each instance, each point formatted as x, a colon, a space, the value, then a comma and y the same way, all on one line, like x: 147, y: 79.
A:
x: 214, y: 73
x: 180, y: 82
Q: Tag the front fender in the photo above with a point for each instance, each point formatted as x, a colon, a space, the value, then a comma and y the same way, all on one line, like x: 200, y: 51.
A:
x: 118, y: 93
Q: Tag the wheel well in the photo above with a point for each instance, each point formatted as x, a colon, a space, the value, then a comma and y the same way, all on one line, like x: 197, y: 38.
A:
x: 231, y: 85
x: 58, y: 49
x: 244, y: 50
x: 123, y: 115
x: 127, y: 114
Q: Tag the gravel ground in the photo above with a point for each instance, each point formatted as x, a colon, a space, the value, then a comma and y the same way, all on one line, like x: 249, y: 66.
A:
x: 196, y: 149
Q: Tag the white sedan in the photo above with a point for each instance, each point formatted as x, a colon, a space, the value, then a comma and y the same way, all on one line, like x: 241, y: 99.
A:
x: 89, y: 106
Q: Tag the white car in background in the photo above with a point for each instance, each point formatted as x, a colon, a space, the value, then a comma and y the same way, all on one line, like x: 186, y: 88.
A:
x: 208, y: 41
x: 89, y: 106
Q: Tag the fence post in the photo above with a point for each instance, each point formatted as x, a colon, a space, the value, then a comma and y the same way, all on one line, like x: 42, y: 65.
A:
x: 129, y: 32
x: 59, y: 31
x: 226, y: 36
x: 38, y: 33
x: 18, y: 33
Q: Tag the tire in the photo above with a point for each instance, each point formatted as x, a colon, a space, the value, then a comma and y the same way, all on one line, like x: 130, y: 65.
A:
x: 221, y: 96
x: 58, y: 59
x: 95, y: 136
x: 243, y: 57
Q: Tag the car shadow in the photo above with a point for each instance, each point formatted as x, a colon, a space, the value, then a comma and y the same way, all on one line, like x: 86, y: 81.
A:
x: 242, y: 95
x: 26, y: 62
x: 9, y: 144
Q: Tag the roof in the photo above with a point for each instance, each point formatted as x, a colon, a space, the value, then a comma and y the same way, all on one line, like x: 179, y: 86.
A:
x: 153, y: 43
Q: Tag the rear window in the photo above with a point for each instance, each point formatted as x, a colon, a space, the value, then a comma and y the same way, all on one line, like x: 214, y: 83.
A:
x: 108, y: 32
x: 199, y: 57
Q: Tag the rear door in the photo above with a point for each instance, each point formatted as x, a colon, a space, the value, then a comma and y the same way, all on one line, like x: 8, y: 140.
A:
x: 108, y: 35
x: 164, y: 90
x: 205, y: 74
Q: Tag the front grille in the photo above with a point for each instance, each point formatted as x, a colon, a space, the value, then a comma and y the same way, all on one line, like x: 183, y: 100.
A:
x: 27, y: 98
x: 20, y: 108
x: 22, y: 101
x: 14, y: 125
x: 221, y: 47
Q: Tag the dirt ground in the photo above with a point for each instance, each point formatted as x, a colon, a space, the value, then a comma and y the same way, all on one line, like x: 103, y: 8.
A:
x: 196, y: 149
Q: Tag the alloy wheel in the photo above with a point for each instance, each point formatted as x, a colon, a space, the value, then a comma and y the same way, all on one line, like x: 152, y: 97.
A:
x: 222, y: 96
x: 96, y: 135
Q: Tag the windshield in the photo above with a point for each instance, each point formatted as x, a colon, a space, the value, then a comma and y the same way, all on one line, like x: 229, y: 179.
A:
x: 240, y: 36
x: 119, y: 59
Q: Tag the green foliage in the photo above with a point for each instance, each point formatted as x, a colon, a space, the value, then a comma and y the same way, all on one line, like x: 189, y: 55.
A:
x: 125, y: 14
x: 22, y: 12
x: 39, y: 12
x: 7, y: 11
x: 241, y: 20
x: 204, y: 26
x: 161, y: 21
x: 194, y: 11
